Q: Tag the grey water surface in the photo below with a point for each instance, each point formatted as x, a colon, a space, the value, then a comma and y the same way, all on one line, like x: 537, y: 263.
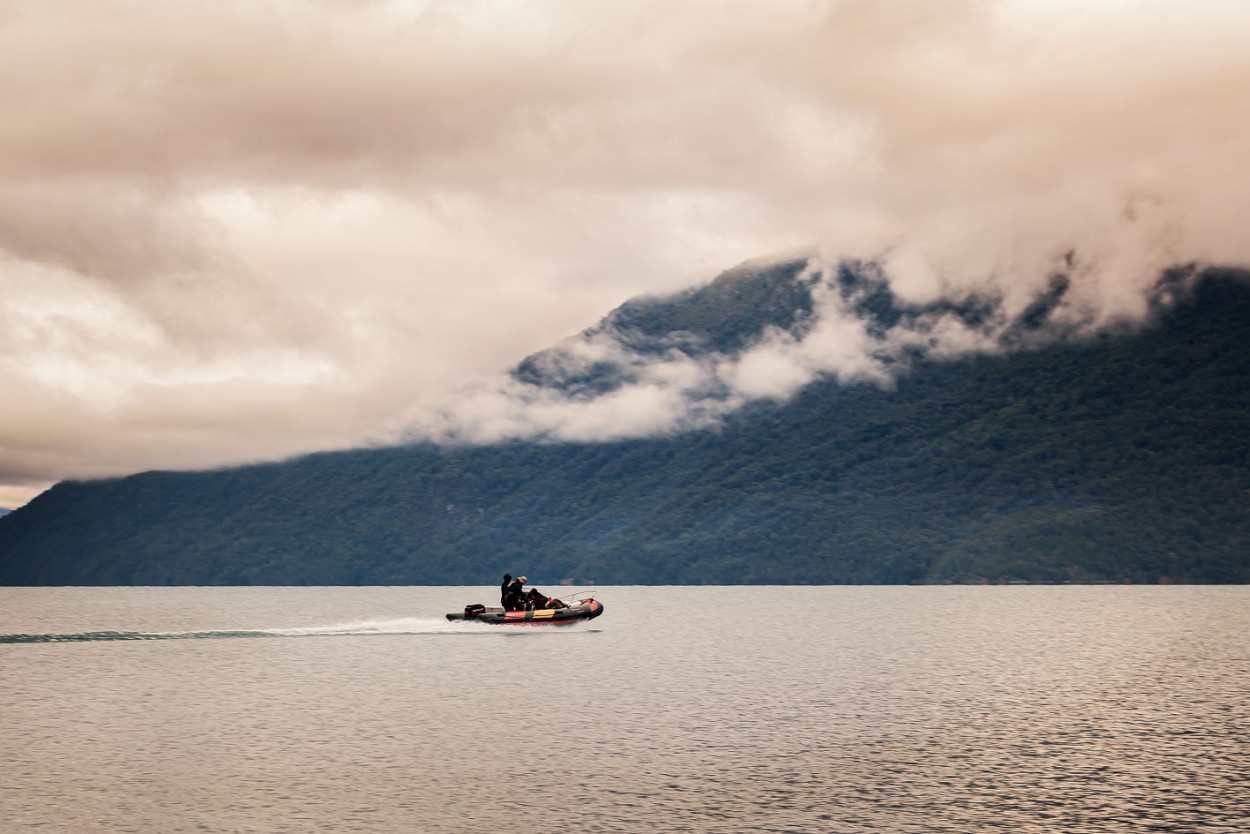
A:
x: 716, y: 709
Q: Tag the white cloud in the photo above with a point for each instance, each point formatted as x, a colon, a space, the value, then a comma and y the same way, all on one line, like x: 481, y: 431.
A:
x: 235, y: 231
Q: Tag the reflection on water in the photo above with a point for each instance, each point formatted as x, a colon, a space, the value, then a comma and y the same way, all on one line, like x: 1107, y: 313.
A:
x: 1018, y: 709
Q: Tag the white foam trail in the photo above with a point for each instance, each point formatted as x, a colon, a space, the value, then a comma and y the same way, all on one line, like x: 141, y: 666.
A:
x: 401, y: 625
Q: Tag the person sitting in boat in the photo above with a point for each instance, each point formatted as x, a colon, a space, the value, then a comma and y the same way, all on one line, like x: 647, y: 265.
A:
x: 536, y: 600
x: 514, y: 594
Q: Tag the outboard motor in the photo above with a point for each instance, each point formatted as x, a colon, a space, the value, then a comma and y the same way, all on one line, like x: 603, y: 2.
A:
x: 471, y: 611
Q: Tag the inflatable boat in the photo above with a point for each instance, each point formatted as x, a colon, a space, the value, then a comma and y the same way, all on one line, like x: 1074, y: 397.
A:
x: 586, y: 609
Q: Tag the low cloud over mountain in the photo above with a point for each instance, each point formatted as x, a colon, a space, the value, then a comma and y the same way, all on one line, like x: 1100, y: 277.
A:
x: 660, y: 365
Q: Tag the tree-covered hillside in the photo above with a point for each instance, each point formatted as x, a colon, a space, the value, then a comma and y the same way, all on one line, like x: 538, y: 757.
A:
x: 1123, y: 458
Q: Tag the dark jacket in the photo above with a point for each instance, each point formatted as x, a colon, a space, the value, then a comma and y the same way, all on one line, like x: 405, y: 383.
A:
x: 514, y: 596
x: 503, y: 590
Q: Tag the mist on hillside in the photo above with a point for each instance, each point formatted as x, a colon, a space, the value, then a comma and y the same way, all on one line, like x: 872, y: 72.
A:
x: 603, y: 385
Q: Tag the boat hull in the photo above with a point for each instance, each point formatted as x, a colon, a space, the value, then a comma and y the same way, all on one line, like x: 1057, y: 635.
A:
x: 548, y: 616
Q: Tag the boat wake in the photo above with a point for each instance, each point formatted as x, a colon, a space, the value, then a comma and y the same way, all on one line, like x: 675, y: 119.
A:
x: 402, y: 625
x: 407, y: 625
x: 97, y: 636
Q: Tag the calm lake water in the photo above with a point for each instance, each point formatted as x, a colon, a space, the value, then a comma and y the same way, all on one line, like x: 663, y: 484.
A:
x: 813, y: 709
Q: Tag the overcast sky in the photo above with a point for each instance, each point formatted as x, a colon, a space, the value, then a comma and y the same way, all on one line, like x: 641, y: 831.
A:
x: 234, y: 231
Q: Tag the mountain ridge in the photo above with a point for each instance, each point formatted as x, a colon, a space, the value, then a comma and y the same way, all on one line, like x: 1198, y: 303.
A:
x: 1106, y: 458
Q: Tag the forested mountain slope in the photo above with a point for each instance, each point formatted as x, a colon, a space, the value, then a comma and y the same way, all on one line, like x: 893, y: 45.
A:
x: 1123, y: 457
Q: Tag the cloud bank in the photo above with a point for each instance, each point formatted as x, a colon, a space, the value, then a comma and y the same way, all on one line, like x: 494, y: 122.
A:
x: 234, y: 231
